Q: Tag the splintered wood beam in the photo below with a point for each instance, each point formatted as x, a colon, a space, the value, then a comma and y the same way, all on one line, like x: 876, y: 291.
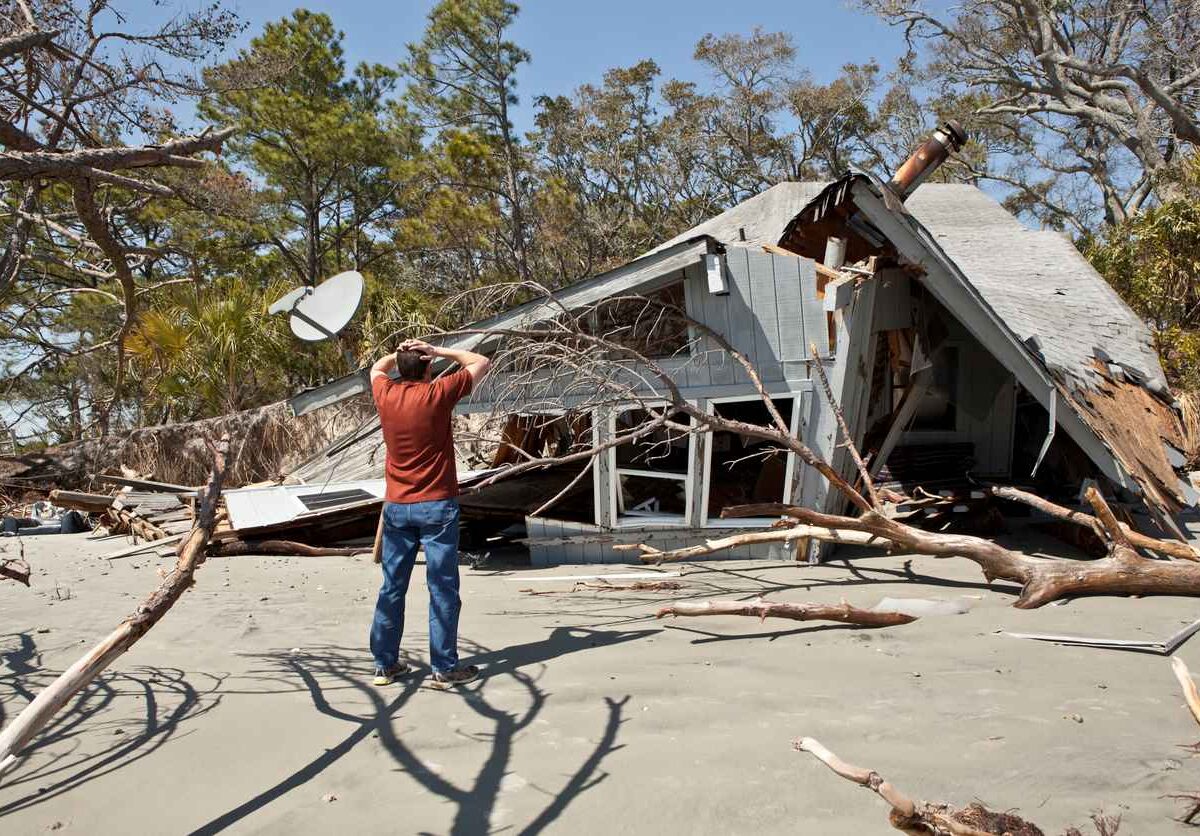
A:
x: 1190, y: 693
x: 75, y: 500
x: 762, y: 610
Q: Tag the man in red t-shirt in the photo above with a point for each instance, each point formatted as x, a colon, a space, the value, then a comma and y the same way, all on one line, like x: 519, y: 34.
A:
x: 422, y: 506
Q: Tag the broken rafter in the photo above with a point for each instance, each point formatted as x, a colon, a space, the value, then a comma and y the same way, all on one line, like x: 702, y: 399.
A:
x: 761, y: 610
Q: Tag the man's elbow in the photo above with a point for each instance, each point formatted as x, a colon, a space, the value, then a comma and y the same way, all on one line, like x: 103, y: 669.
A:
x: 484, y: 364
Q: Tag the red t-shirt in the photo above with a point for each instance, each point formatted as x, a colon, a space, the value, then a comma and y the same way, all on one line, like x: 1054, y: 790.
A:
x: 415, y: 416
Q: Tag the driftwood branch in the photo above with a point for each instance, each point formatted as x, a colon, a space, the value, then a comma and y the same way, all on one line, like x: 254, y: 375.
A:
x: 920, y: 818
x: 1170, y: 548
x: 1190, y: 693
x: 191, y: 553
x: 762, y: 610
x: 236, y: 548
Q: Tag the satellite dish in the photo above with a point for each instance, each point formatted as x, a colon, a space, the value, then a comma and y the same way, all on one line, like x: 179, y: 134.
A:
x: 321, y: 312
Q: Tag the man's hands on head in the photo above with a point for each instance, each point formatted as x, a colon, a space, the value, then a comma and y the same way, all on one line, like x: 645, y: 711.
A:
x: 421, y: 347
x: 475, y: 364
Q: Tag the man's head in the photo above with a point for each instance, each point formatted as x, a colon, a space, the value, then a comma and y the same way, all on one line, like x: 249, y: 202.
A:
x: 412, y: 365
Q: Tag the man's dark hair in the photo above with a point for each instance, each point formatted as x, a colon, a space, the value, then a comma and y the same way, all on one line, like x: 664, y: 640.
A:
x: 411, y: 365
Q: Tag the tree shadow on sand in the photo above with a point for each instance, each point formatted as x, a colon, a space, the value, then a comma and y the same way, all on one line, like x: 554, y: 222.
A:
x: 330, y: 672
x: 88, y: 739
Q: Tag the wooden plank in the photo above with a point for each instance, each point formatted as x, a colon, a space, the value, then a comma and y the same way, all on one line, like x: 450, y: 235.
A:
x: 742, y: 323
x: 145, y: 484
x: 917, y: 387
x: 790, y: 306
x: 603, y: 475
x: 764, y: 304
x: 839, y: 294
x: 699, y: 472
x: 148, y: 545
x: 715, y: 314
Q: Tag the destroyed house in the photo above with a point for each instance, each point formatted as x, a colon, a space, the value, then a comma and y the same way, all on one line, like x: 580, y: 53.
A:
x: 964, y: 348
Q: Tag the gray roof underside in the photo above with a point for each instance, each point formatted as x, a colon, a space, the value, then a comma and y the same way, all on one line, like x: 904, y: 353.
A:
x: 1036, y: 280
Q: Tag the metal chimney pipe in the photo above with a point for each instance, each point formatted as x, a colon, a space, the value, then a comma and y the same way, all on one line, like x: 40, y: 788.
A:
x: 949, y: 137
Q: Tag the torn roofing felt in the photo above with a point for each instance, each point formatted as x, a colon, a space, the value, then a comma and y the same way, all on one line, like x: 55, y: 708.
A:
x: 1060, y: 313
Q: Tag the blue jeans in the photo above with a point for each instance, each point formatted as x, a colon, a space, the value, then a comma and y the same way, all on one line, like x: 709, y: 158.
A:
x: 406, y: 526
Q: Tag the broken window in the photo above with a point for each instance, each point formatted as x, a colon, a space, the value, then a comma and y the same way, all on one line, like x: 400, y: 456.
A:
x: 743, y: 469
x: 646, y: 327
x: 652, y: 471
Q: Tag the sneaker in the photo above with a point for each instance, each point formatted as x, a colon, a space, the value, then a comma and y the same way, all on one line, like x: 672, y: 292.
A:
x: 459, y: 676
x: 386, y: 676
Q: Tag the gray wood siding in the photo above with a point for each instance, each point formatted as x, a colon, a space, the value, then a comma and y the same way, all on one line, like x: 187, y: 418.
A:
x: 770, y: 314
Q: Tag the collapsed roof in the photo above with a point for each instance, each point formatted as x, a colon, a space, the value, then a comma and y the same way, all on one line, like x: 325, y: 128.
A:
x: 1028, y: 296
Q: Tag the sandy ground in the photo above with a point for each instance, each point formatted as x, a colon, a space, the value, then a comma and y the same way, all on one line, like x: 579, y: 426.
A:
x: 249, y: 708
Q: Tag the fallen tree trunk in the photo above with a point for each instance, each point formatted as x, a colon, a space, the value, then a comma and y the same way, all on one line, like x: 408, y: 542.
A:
x: 761, y: 610
x: 1122, y: 572
x: 45, y: 705
x: 237, y: 548
x: 922, y: 818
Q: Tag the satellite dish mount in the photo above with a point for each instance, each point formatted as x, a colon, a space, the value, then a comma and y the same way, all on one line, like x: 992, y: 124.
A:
x: 322, y: 312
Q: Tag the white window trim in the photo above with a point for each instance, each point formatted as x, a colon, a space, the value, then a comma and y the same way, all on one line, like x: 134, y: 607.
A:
x: 641, y: 520
x: 789, y: 472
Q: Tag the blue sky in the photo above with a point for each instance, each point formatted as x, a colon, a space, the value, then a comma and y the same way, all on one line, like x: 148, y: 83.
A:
x: 573, y: 43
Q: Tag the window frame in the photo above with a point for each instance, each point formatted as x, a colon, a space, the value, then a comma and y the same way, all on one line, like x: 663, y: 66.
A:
x: 789, y: 477
x: 633, y: 521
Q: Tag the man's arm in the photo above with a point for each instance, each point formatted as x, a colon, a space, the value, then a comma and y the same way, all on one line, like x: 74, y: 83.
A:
x: 383, y: 365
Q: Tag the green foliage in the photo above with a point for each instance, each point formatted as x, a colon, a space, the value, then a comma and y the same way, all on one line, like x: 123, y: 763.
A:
x: 1153, y: 261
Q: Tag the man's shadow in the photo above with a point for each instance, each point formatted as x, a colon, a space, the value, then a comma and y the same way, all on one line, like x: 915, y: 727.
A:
x: 327, y: 670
